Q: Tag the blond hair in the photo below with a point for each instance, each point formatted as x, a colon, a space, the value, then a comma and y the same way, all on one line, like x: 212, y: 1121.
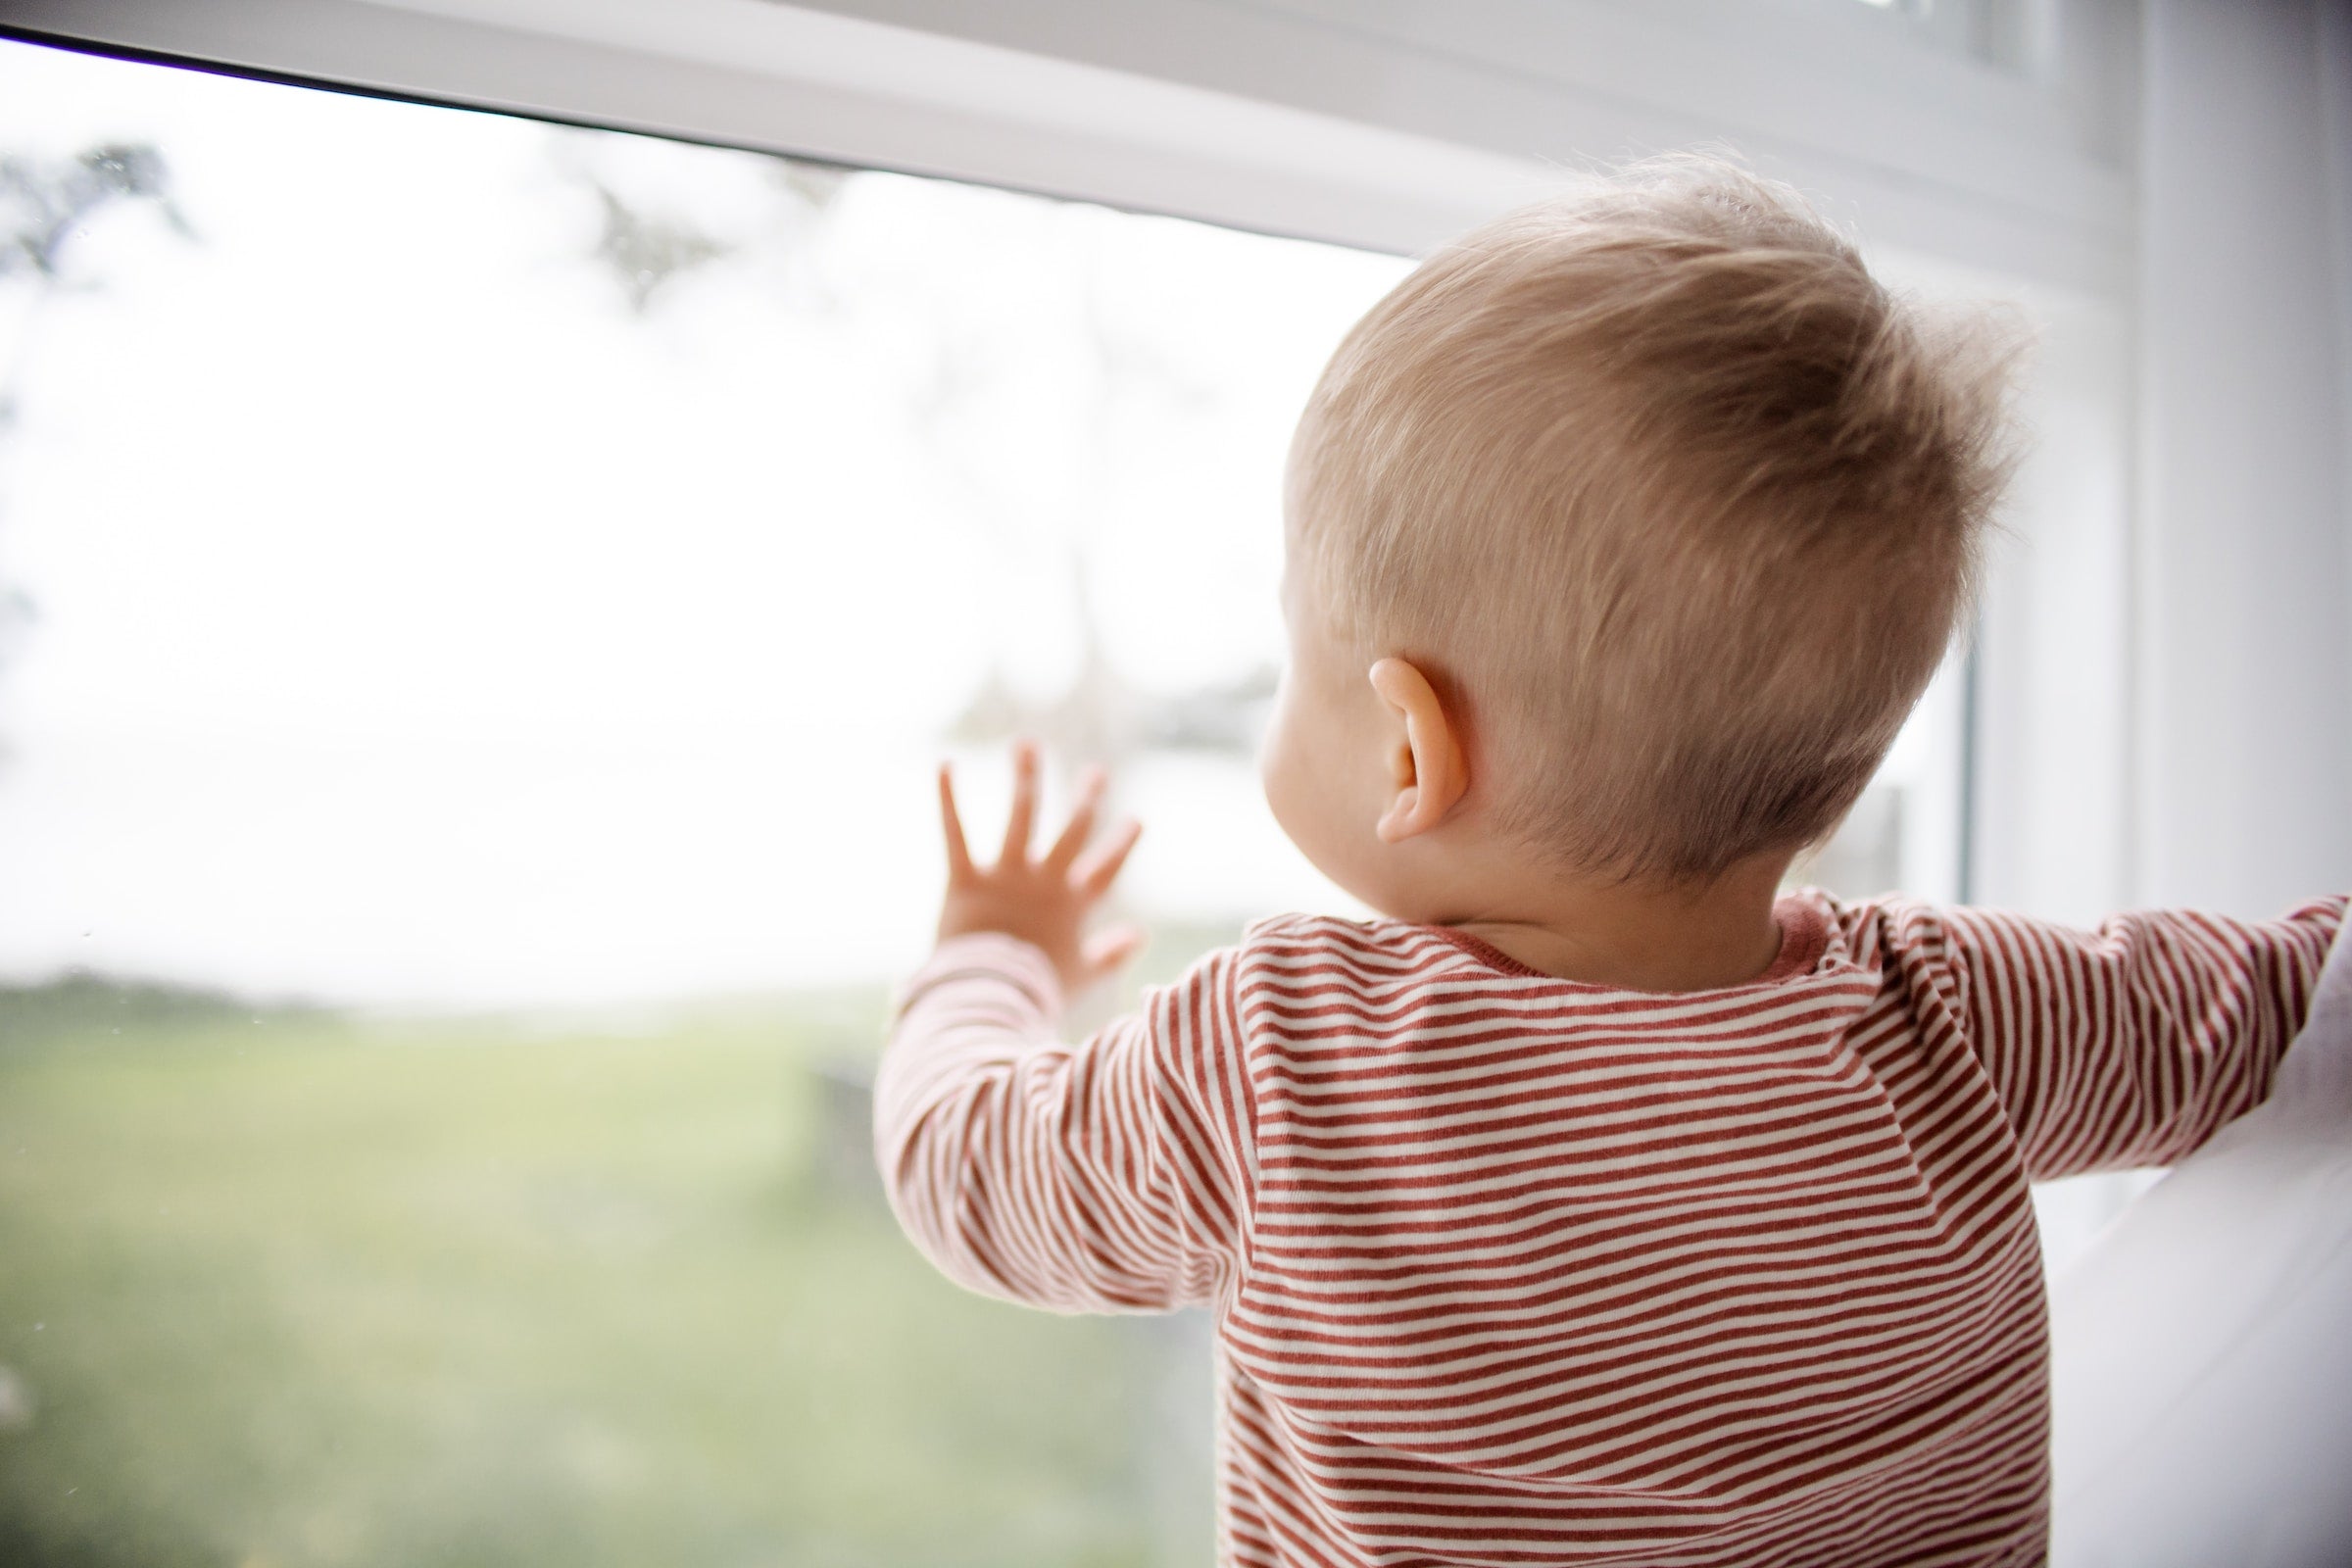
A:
x: 1678, y: 506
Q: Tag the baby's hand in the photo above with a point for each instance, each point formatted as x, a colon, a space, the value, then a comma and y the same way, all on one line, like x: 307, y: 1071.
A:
x: 1040, y: 901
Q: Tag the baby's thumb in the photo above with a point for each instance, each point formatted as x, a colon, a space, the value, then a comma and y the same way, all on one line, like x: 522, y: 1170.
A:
x: 1106, y: 950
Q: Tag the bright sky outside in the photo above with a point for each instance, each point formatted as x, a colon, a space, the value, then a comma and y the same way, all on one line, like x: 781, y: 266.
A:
x: 416, y: 625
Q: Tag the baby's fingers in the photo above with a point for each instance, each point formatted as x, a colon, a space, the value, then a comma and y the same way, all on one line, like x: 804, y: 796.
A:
x: 1081, y: 825
x: 1093, y: 876
x: 1024, y: 805
x: 1102, y: 953
x: 960, y: 856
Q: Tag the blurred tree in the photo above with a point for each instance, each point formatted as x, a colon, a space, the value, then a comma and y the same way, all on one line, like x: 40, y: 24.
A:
x: 47, y: 206
x: 642, y: 252
x: 645, y: 243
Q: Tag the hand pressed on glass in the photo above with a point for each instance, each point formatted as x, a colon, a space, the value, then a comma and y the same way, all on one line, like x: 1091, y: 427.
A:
x: 1042, y: 900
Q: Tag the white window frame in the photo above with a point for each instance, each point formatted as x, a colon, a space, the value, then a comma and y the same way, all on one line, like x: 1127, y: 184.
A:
x: 1388, y: 124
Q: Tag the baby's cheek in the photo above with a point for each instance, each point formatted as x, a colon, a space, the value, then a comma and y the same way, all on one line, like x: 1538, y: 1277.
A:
x: 1274, y: 774
x: 1302, y: 794
x: 1286, y: 774
x: 1274, y: 747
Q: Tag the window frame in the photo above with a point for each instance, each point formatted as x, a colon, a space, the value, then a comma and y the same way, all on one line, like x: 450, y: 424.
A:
x: 1388, y: 127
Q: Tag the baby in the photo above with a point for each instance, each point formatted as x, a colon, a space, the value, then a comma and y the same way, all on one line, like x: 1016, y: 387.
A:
x: 1599, y: 1204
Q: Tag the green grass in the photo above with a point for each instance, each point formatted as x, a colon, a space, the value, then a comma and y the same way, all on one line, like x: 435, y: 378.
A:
x: 285, y: 1290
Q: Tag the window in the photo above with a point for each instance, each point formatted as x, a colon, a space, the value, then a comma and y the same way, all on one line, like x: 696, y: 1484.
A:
x: 488, y: 595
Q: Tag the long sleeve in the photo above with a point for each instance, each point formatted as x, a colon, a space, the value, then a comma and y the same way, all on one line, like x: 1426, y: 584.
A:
x: 2131, y: 1044
x: 1109, y: 1176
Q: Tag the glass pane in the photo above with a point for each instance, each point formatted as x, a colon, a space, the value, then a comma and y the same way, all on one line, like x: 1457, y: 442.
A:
x: 481, y: 603
x: 485, y: 598
x: 1903, y: 835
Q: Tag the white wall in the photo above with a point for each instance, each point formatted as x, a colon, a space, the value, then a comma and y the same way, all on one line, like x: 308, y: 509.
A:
x: 2245, y: 541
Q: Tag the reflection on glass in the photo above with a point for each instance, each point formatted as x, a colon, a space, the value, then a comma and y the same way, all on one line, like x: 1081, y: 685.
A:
x: 485, y: 600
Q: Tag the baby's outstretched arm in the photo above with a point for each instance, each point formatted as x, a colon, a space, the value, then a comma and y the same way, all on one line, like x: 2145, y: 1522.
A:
x: 2130, y: 1044
x: 1078, y: 1178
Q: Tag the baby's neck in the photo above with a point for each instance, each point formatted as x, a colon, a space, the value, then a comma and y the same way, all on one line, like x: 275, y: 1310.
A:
x: 1639, y: 937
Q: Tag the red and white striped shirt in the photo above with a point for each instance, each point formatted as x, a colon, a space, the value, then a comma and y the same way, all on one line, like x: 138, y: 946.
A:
x: 1510, y: 1269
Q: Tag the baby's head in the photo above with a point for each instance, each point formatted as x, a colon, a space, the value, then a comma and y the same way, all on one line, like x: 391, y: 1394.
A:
x: 1653, y: 502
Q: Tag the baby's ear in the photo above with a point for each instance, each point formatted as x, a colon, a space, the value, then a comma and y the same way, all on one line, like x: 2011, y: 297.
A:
x: 1438, y: 772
